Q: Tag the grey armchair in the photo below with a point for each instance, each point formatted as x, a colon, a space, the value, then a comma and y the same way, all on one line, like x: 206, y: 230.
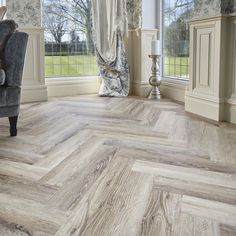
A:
x: 12, y: 55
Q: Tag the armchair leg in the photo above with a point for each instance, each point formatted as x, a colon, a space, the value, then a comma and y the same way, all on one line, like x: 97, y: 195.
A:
x: 13, y: 124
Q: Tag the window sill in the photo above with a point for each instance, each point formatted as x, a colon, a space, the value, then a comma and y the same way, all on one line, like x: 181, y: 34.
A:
x: 176, y: 82
x: 70, y: 79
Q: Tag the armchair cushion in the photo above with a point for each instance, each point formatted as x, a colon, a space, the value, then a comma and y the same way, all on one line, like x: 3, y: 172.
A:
x: 2, y: 77
x: 9, y: 96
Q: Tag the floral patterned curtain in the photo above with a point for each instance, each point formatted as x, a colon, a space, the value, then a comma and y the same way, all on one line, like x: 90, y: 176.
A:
x: 110, y: 27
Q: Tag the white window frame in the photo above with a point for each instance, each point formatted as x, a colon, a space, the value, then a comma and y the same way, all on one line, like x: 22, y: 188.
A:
x: 169, y: 79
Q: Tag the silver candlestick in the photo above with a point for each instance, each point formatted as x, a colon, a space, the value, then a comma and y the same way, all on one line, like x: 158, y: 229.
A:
x: 155, y: 79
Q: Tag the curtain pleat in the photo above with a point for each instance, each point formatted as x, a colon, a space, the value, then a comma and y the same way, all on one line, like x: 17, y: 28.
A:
x: 110, y: 27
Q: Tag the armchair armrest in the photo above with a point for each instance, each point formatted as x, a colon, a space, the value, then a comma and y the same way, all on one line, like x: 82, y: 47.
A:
x: 14, y: 57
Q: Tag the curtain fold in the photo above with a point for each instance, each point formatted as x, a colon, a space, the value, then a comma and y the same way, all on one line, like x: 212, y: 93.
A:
x: 110, y: 27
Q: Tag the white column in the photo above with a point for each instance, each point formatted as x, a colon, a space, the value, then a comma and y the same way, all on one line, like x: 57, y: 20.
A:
x: 232, y: 72
x: 29, y: 21
x: 232, y: 55
x: 139, y: 49
x: 212, y: 89
x: 33, y: 87
x: 207, y: 90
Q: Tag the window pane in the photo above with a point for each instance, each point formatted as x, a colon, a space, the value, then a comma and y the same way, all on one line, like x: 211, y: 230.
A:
x: 176, y: 38
x: 69, y: 50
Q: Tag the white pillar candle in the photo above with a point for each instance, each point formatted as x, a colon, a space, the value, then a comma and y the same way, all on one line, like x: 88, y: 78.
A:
x: 156, y: 47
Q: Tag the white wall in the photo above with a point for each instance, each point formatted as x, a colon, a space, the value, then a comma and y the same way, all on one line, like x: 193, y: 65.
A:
x: 26, y: 13
x: 149, y: 19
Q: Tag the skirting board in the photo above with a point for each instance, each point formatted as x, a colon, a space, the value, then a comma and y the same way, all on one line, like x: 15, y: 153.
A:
x: 231, y: 108
x: 171, y: 90
x: 35, y: 93
x: 72, y: 86
x: 141, y: 90
x: 206, y: 108
x: 174, y: 91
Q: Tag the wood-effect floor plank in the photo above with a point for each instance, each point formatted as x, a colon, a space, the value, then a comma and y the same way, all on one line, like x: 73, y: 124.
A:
x: 89, y: 165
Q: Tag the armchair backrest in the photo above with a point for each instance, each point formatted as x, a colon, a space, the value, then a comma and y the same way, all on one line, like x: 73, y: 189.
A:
x: 15, y: 51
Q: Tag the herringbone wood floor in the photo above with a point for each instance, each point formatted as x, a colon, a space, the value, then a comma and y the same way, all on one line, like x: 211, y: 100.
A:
x: 107, y: 166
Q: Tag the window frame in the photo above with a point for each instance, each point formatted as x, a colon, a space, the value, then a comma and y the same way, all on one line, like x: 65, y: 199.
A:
x: 160, y: 22
x: 61, y: 76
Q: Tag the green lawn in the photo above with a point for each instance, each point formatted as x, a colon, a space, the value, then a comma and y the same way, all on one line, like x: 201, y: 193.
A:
x: 79, y: 65
x: 181, y: 68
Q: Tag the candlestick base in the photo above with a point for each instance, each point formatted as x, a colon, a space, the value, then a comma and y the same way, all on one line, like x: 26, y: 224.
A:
x: 155, y: 79
x: 155, y: 94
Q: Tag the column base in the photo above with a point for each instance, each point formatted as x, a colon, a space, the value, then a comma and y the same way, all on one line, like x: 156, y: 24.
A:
x: 209, y: 108
x: 141, y: 89
x: 33, y: 85
x: 231, y: 111
x: 34, y: 94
